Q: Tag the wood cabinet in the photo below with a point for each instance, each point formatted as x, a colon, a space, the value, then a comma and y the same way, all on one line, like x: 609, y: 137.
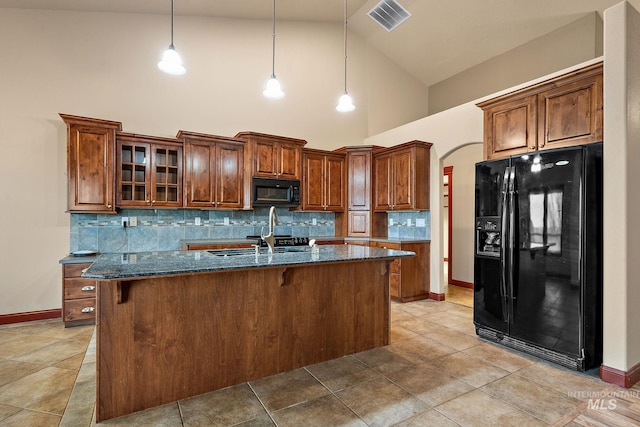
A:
x: 91, y: 149
x: 408, y: 277
x: 564, y: 111
x: 274, y: 156
x: 149, y: 172
x: 324, y: 181
x: 79, y: 296
x: 214, y: 171
x: 401, y: 177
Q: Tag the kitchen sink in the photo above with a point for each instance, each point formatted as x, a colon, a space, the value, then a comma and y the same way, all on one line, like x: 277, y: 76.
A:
x: 252, y: 251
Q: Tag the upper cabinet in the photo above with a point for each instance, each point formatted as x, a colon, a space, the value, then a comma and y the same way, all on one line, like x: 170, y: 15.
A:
x: 274, y: 156
x: 91, y: 149
x: 149, y: 171
x: 214, y: 171
x: 401, y: 177
x: 324, y: 181
x: 567, y: 110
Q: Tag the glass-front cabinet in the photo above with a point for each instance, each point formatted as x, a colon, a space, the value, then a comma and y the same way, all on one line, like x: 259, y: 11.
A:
x: 150, y: 171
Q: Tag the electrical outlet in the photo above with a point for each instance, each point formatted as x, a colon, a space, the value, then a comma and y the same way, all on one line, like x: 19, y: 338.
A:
x: 409, y: 222
x: 125, y: 221
x: 197, y: 221
x: 314, y: 221
x: 133, y: 221
x: 225, y: 221
x: 390, y: 221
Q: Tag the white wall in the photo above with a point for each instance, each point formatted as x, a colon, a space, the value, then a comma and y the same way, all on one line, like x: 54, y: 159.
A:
x: 104, y: 65
x: 463, y: 161
x: 621, y: 195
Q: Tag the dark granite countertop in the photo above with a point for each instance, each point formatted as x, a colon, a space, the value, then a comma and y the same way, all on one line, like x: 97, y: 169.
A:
x: 71, y: 259
x: 144, y: 264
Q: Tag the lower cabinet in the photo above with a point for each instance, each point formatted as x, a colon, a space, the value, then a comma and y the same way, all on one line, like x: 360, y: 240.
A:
x: 408, y: 277
x: 79, y: 296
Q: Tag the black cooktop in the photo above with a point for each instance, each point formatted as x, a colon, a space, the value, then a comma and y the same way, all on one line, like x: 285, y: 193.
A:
x: 283, y: 240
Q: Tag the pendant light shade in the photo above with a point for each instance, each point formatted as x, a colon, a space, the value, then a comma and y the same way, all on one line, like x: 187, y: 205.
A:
x: 272, y: 88
x: 171, y: 62
x: 345, y: 104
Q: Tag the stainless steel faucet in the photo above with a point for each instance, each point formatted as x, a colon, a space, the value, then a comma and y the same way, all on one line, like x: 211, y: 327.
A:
x: 273, y: 221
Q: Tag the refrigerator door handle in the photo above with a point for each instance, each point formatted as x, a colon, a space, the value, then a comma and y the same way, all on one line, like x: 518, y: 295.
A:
x: 511, y: 240
x: 503, y: 245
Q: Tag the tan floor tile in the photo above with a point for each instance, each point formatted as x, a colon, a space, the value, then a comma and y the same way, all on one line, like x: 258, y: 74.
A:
x: 400, y: 315
x: 282, y: 390
x: 6, y: 411
x: 430, y: 418
x: 561, y: 379
x: 501, y: 357
x: 81, y: 405
x: 479, y: 410
x: 446, y: 318
x: 419, y: 325
x: 320, y: 412
x: 384, y: 360
x: 470, y: 370
x: 338, y: 374
x: 541, y: 402
x: 73, y: 362
x: 381, y: 403
x: 162, y: 416
x: 55, y: 352
x: 421, y: 349
x: 10, y: 370
x: 454, y: 339
x: 28, y: 418
x: 431, y: 385
x: 400, y: 333
x: 229, y: 406
x: 466, y: 327
x: 261, y: 421
x: 46, y: 390
x: 15, y: 345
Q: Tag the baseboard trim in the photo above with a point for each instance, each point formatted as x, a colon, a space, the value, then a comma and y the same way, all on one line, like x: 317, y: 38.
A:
x: 6, y: 319
x: 436, y: 296
x: 620, y: 378
x: 461, y: 284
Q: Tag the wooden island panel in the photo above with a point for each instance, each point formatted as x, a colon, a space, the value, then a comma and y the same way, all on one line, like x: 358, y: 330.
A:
x: 175, y: 337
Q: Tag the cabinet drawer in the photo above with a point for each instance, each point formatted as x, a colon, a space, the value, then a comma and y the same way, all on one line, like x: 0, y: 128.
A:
x: 79, y: 309
x: 74, y: 270
x: 79, y: 288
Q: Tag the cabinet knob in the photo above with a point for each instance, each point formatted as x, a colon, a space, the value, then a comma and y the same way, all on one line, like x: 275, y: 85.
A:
x: 88, y: 310
x: 153, y: 201
x: 109, y: 205
x: 88, y: 288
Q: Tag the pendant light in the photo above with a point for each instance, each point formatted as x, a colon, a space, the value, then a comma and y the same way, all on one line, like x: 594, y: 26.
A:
x: 272, y: 88
x: 171, y: 62
x: 345, y: 104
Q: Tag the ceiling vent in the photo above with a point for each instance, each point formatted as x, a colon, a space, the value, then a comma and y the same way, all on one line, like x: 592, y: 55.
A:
x: 389, y: 14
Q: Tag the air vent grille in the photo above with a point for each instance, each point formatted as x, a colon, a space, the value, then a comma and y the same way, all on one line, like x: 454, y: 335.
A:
x: 389, y: 14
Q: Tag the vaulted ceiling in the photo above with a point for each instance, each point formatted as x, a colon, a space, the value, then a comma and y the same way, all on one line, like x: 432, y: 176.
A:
x: 441, y: 39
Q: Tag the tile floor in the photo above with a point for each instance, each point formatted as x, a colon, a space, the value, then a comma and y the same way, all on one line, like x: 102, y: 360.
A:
x: 436, y: 372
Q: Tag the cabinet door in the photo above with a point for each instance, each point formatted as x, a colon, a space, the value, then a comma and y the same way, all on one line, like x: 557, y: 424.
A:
x: 571, y: 114
x: 359, y: 224
x: 359, y: 180
x: 90, y: 169
x: 200, y: 174
x: 383, y: 178
x: 313, y: 182
x: 334, y: 183
x: 403, y: 180
x: 230, y: 174
x: 134, y: 182
x: 265, y: 159
x: 289, y: 160
x: 166, y: 176
x: 510, y: 128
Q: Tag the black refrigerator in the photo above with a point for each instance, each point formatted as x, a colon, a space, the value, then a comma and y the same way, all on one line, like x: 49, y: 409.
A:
x: 538, y: 254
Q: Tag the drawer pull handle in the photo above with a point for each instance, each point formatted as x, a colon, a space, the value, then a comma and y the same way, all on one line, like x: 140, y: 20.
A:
x: 88, y: 288
x: 84, y: 270
x: 88, y: 310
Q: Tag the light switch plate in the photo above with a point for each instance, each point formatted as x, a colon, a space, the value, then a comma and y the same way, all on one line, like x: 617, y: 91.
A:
x: 421, y: 222
x: 225, y: 221
x: 390, y: 221
x: 197, y: 220
x: 408, y: 222
x: 133, y: 221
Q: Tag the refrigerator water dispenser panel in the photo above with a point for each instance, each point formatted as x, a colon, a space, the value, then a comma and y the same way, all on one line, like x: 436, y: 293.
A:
x: 488, y: 236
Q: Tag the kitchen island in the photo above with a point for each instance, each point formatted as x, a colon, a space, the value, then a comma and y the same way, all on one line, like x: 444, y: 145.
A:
x: 176, y: 324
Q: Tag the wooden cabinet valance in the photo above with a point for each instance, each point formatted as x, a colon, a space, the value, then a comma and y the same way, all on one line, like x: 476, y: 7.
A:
x: 566, y: 110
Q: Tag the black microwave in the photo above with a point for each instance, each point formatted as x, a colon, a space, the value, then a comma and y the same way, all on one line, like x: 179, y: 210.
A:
x: 275, y: 192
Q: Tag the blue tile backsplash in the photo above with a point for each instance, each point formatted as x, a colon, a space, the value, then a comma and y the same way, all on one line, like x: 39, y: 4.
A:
x: 405, y: 225
x: 162, y: 229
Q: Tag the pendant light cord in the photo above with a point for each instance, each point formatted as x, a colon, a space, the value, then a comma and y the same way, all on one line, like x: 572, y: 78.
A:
x: 273, y: 50
x: 345, y: 46
x: 172, y: 24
